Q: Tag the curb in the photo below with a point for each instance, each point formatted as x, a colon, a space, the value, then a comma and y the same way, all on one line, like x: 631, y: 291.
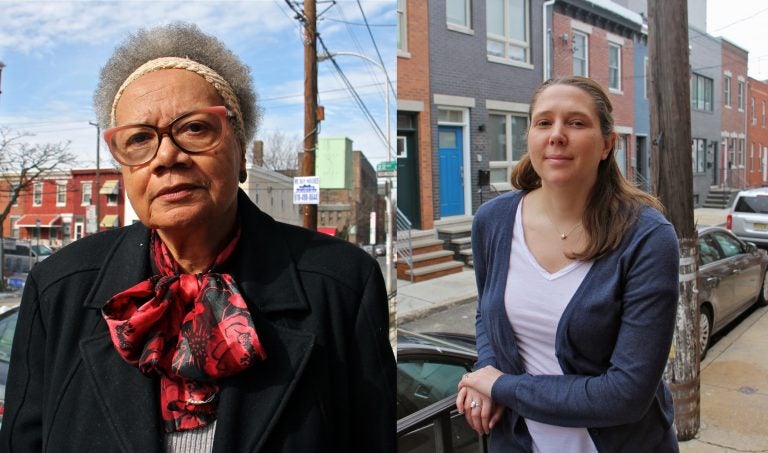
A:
x: 413, y: 315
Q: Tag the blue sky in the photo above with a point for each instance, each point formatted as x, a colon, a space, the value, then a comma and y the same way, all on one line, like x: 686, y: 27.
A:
x: 53, y: 51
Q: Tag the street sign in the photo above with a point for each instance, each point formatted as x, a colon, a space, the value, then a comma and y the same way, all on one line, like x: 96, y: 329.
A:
x: 306, y: 190
x: 387, y: 166
x: 386, y: 169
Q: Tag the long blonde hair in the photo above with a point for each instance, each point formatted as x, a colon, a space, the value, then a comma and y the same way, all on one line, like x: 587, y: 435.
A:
x: 614, y: 204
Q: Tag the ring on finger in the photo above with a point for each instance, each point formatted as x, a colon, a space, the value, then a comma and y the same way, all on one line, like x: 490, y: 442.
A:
x: 473, y: 404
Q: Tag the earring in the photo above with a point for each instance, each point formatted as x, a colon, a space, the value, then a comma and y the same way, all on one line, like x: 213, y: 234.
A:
x: 243, y: 176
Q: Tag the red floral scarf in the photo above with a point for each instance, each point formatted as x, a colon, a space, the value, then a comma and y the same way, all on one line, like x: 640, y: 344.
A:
x: 189, y: 329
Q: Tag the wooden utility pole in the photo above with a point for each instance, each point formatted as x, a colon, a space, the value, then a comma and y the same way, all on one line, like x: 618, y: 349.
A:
x: 310, y: 104
x: 670, y: 105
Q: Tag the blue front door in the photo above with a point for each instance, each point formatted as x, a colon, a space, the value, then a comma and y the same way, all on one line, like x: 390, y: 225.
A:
x: 449, y: 147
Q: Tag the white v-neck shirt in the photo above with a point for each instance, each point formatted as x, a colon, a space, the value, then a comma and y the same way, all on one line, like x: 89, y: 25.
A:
x: 535, y: 301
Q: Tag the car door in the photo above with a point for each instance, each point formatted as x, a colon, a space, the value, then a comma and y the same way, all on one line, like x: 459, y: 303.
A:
x: 426, y: 392
x: 745, y: 270
x: 717, y: 276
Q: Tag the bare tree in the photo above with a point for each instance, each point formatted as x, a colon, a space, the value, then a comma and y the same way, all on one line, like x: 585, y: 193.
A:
x: 21, y: 164
x: 281, y: 152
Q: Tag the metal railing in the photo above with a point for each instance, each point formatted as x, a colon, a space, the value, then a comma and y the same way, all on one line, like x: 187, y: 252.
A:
x: 404, y: 245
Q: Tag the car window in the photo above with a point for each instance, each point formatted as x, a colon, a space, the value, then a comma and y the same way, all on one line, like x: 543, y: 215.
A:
x: 421, y: 382
x: 708, y: 250
x: 728, y: 244
x: 7, y: 328
x: 758, y: 204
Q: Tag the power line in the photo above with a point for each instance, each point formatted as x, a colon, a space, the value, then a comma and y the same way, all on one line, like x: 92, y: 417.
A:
x: 359, y: 24
x: 381, y: 60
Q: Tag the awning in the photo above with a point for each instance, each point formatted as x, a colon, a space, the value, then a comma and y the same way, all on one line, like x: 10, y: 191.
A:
x: 109, y: 221
x: 329, y: 231
x: 46, y: 220
x: 109, y: 188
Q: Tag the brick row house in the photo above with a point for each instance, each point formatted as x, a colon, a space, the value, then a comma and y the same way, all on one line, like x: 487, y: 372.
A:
x: 63, y: 206
x: 757, y: 133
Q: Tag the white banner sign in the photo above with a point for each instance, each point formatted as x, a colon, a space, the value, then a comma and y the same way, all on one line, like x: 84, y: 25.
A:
x: 306, y: 190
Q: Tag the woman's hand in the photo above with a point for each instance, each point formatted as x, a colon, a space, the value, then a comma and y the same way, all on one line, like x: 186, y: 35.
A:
x: 474, y: 400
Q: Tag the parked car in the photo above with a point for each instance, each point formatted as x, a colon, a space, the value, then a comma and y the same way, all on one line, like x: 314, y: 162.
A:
x: 429, y: 368
x: 748, y: 219
x: 20, y: 257
x: 7, y: 328
x: 731, y: 279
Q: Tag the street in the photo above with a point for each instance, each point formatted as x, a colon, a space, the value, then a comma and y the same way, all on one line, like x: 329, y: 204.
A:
x: 459, y: 318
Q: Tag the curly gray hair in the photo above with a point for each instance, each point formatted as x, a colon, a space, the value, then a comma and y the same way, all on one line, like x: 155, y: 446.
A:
x: 182, y: 40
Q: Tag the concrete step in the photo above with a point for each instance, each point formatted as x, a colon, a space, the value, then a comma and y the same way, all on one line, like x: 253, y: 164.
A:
x: 430, y: 272
x: 418, y: 234
x: 445, y: 221
x: 429, y: 258
x: 420, y: 243
x: 466, y: 256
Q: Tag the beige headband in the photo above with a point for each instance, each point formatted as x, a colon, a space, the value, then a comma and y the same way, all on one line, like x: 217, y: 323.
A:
x: 211, y: 76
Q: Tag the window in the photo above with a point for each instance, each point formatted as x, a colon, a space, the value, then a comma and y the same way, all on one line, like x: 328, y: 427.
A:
x: 621, y: 153
x: 727, y: 95
x: 14, y: 227
x: 580, y: 54
x: 699, y: 155
x: 741, y: 152
x: 741, y: 95
x: 459, y: 12
x: 61, y: 193
x: 701, y: 93
x: 37, y: 194
x: 507, y: 144
x: 754, y: 114
x: 647, y: 78
x: 507, y: 22
x: 614, y: 66
x: 763, y: 113
x: 752, y: 157
x: 112, y: 199
x: 402, y: 29
x: 87, y: 193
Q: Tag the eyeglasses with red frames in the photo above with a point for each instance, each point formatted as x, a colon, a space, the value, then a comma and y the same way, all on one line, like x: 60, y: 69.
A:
x: 193, y: 132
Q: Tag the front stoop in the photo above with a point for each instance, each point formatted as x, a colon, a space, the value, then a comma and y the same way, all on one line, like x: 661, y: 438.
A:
x: 719, y: 198
x: 430, y: 259
x: 456, y: 232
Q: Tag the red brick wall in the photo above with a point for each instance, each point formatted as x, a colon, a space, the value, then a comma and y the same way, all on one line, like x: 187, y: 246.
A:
x: 757, y: 133
x: 733, y: 120
x: 413, y: 84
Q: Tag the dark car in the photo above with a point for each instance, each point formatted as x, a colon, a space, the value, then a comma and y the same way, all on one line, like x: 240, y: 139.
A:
x: 429, y: 368
x: 7, y: 328
x: 731, y: 280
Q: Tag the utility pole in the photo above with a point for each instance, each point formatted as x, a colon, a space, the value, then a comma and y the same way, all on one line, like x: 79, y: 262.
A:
x: 670, y: 106
x: 98, y: 170
x: 310, y: 104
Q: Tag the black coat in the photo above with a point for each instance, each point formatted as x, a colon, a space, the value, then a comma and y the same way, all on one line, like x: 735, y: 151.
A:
x: 319, y: 307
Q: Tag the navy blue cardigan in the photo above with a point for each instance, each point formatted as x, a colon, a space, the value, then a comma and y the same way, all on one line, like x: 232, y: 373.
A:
x: 612, y: 341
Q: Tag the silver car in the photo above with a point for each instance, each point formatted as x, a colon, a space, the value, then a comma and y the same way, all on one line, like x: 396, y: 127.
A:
x: 748, y: 219
x: 732, y: 278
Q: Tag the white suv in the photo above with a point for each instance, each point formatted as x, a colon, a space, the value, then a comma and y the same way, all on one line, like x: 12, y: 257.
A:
x: 748, y: 219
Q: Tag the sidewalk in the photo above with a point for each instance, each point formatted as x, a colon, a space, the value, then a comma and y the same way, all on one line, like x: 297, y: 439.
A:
x: 734, y: 376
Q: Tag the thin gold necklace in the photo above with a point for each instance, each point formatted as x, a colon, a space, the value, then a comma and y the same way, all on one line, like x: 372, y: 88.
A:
x: 563, y: 236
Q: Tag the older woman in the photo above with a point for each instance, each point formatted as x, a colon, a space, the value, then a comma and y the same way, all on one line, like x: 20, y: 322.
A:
x: 208, y: 326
